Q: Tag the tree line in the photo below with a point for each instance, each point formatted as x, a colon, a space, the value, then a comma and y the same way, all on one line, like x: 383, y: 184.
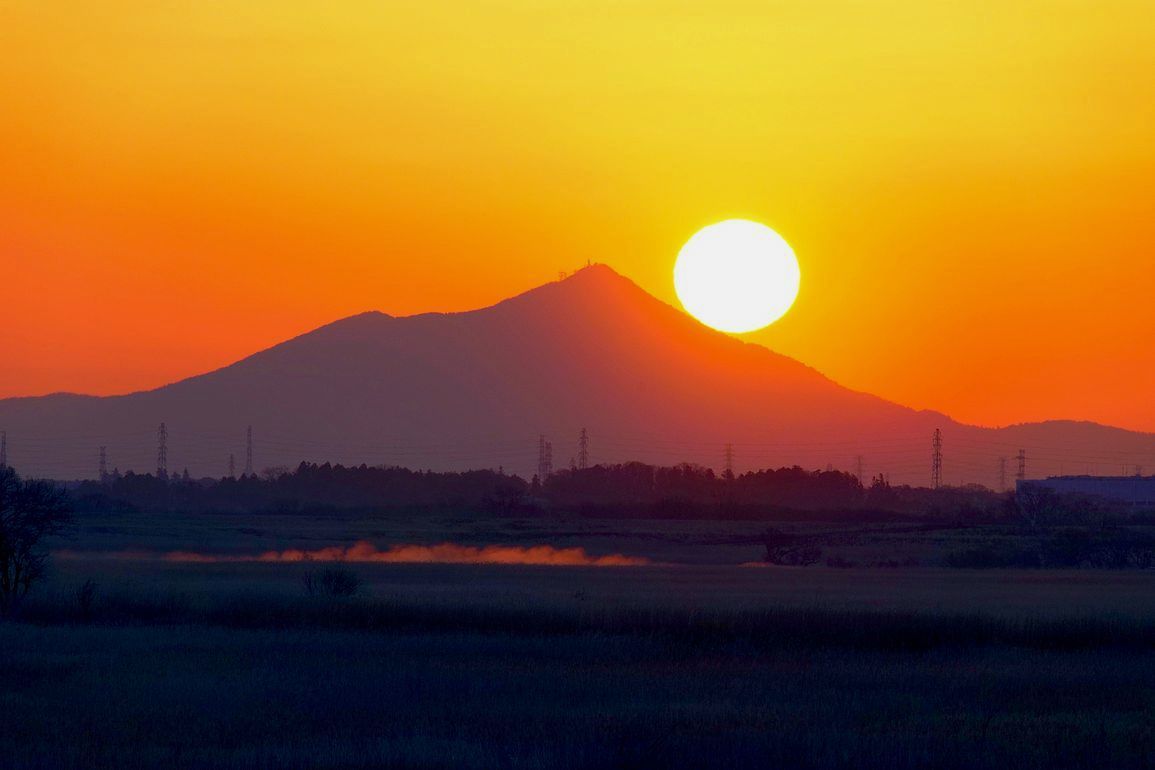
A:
x: 625, y: 490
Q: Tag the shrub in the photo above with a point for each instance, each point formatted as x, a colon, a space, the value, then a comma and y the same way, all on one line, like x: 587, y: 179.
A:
x: 335, y: 581
x: 790, y: 550
x: 1067, y: 548
x: 86, y: 599
x: 839, y: 562
x: 989, y: 557
x: 794, y: 556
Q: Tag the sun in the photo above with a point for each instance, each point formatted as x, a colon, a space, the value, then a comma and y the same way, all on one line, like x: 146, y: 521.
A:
x: 737, y: 276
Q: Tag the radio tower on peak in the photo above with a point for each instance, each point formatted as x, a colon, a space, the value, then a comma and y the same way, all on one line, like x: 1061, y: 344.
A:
x: 249, y: 451
x: 728, y: 457
x: 1002, y: 474
x: 103, y: 464
x: 3, y: 449
x: 936, y: 460
x: 583, y: 458
x: 162, y: 452
x: 232, y: 466
x: 1021, y: 473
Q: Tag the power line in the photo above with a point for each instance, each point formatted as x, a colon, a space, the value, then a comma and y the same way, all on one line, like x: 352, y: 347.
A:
x: 972, y: 457
x: 162, y: 452
x: 249, y: 451
x: 544, y: 458
x: 936, y: 460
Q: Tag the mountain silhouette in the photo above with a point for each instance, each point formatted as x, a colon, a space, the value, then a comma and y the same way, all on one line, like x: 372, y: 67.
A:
x: 476, y: 389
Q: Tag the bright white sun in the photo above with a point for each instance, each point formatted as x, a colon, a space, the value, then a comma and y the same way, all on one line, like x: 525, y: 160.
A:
x: 737, y: 276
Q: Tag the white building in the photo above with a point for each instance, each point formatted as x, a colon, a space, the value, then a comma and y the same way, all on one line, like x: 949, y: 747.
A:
x: 1138, y: 491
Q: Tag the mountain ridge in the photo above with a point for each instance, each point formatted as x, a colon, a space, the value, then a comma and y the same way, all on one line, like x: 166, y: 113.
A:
x: 476, y: 388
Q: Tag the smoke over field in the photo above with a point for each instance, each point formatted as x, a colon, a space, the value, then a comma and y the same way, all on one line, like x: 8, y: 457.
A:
x: 365, y: 552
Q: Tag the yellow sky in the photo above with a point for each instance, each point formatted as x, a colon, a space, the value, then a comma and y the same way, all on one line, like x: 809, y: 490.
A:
x: 969, y: 186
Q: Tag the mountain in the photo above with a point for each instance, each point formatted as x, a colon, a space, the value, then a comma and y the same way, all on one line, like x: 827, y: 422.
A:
x: 476, y: 389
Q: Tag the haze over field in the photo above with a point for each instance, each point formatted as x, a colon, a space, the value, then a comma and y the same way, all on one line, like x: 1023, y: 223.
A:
x: 476, y: 389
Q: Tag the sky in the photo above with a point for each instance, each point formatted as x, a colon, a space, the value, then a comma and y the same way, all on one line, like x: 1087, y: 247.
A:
x: 969, y: 186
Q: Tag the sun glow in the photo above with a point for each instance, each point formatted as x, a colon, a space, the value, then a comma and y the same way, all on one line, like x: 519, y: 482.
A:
x: 736, y: 276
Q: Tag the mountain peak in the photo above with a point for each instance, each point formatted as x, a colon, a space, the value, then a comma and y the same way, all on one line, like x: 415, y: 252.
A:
x: 595, y: 293
x: 591, y: 351
x: 594, y: 271
x: 596, y: 279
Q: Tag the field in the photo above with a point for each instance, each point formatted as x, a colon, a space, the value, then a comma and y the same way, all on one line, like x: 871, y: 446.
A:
x: 694, y: 661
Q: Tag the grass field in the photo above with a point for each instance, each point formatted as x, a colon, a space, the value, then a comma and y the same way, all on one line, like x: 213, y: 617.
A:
x: 699, y: 662
x: 670, y: 541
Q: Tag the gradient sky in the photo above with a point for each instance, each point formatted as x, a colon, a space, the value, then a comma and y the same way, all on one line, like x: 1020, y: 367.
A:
x: 969, y: 186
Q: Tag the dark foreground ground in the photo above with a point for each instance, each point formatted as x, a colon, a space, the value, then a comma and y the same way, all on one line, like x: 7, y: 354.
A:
x: 690, y: 664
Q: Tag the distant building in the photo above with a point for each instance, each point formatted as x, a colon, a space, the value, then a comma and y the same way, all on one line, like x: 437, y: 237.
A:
x: 1138, y: 491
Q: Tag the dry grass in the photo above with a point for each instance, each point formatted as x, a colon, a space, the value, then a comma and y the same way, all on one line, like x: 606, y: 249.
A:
x: 705, y: 664
x: 193, y: 696
x: 481, y: 667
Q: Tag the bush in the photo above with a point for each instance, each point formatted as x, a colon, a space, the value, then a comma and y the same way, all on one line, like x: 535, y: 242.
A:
x: 1067, y: 548
x: 991, y: 557
x: 86, y: 599
x: 335, y: 581
x: 790, y: 550
x: 794, y: 556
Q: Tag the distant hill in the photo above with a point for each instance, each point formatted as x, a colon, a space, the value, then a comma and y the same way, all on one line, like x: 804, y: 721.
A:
x: 476, y: 389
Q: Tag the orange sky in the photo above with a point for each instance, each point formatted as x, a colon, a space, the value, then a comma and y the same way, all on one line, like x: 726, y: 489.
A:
x: 970, y: 187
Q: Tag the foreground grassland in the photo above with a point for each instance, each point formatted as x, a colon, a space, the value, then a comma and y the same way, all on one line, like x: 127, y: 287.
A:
x: 123, y: 659
x: 232, y: 665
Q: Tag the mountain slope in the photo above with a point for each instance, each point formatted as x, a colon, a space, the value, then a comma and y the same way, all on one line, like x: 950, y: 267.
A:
x: 476, y: 389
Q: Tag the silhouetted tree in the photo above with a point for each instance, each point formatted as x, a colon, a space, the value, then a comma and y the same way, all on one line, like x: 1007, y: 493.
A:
x: 275, y: 472
x: 1040, y: 507
x: 29, y: 512
x: 625, y: 490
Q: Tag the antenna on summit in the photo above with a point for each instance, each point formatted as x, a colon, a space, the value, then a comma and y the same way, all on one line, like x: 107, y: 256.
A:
x: 103, y: 464
x: 583, y: 458
x: 3, y: 449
